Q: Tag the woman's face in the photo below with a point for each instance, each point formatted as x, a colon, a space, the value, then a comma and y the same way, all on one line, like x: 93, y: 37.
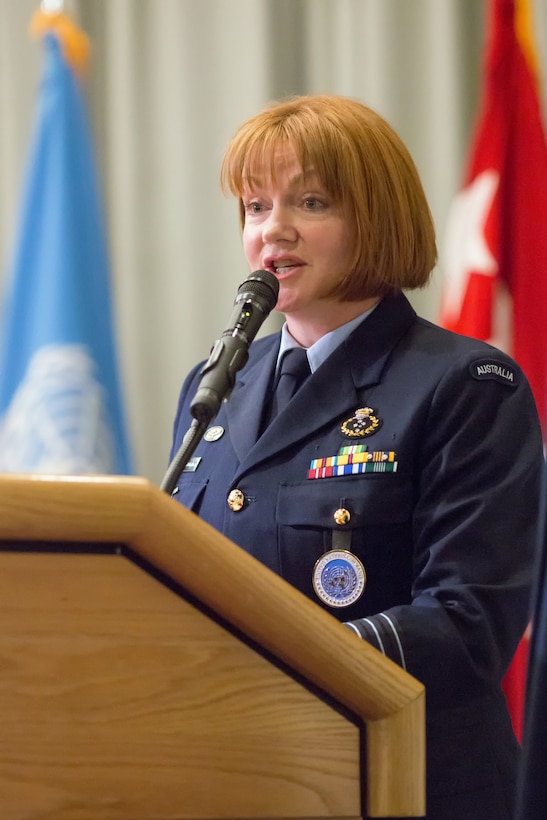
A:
x: 294, y: 230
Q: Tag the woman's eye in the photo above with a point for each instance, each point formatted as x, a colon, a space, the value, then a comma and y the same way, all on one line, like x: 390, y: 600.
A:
x: 312, y: 203
x: 252, y: 207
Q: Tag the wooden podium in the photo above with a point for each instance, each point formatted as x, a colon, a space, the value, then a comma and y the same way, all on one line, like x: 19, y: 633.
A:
x: 152, y: 670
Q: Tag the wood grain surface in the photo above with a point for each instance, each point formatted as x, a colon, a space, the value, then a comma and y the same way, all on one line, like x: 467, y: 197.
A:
x: 120, y: 699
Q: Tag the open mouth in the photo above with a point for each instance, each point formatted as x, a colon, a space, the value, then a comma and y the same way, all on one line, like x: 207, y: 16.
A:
x: 284, y: 266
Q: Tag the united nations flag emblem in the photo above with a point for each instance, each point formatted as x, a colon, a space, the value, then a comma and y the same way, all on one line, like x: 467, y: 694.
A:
x: 339, y: 578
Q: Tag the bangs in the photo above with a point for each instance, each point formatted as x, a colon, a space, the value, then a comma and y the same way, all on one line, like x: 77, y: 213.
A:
x: 253, y: 155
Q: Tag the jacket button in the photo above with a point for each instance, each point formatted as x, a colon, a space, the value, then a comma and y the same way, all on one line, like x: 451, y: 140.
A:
x: 236, y: 500
x: 342, y: 516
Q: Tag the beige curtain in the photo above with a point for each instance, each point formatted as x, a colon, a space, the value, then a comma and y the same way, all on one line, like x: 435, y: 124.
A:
x: 170, y: 81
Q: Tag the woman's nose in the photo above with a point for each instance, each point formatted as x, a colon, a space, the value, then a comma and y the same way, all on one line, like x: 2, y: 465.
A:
x: 279, y: 226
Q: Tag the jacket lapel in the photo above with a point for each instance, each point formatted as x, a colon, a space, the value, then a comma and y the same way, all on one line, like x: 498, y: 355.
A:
x: 334, y: 389
x: 251, y: 392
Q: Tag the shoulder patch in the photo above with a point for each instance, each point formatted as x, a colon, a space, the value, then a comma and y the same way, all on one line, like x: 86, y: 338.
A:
x: 491, y: 369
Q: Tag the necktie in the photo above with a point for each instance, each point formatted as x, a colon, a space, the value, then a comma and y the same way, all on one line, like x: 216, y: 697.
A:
x: 293, y: 372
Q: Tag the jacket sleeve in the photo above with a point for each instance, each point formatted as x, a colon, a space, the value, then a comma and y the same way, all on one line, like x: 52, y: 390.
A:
x: 474, y: 534
x: 181, y: 425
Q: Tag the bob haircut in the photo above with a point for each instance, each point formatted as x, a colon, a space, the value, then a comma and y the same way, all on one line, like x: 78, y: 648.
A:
x: 366, y: 169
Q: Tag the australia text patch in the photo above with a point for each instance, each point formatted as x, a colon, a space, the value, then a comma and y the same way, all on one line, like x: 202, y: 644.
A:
x: 492, y: 369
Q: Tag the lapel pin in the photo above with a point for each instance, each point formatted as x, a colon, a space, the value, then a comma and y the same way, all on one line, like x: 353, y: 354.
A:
x: 214, y: 433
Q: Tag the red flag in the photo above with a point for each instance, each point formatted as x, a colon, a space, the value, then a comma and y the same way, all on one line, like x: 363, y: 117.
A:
x: 496, y: 244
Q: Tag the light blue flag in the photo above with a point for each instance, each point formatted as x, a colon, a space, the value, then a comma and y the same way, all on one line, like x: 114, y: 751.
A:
x: 60, y: 402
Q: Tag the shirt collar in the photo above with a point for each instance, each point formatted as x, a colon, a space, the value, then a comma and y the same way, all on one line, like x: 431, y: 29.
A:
x: 327, y: 344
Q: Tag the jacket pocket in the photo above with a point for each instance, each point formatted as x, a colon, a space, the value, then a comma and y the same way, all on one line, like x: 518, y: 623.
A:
x: 190, y: 493
x: 370, y: 499
x: 378, y: 533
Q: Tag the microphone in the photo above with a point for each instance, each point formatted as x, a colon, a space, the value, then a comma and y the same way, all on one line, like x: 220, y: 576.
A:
x: 255, y: 298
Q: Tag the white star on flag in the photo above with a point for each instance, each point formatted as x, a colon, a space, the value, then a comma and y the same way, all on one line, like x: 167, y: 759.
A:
x: 466, y: 250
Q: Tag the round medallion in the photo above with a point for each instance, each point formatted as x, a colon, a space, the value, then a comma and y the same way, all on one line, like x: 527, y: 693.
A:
x: 339, y: 578
x: 363, y: 423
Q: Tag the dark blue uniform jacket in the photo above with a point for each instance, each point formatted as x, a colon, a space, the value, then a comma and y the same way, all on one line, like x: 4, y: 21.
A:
x: 446, y: 538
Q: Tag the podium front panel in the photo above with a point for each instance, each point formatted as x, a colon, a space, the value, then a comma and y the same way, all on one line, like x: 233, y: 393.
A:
x: 120, y: 699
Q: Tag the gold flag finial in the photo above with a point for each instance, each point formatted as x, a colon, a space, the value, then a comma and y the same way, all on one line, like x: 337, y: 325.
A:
x: 74, y: 43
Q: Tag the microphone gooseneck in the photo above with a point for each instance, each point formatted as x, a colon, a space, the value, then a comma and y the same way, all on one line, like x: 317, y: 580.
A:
x: 255, y: 299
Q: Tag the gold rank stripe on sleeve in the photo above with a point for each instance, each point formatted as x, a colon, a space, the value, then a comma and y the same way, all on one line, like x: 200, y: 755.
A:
x: 353, y: 461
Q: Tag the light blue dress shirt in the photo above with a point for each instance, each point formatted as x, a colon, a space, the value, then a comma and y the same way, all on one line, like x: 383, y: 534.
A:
x: 323, y: 347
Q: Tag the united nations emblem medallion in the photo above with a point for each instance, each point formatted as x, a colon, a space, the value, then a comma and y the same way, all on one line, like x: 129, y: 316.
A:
x: 339, y: 578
